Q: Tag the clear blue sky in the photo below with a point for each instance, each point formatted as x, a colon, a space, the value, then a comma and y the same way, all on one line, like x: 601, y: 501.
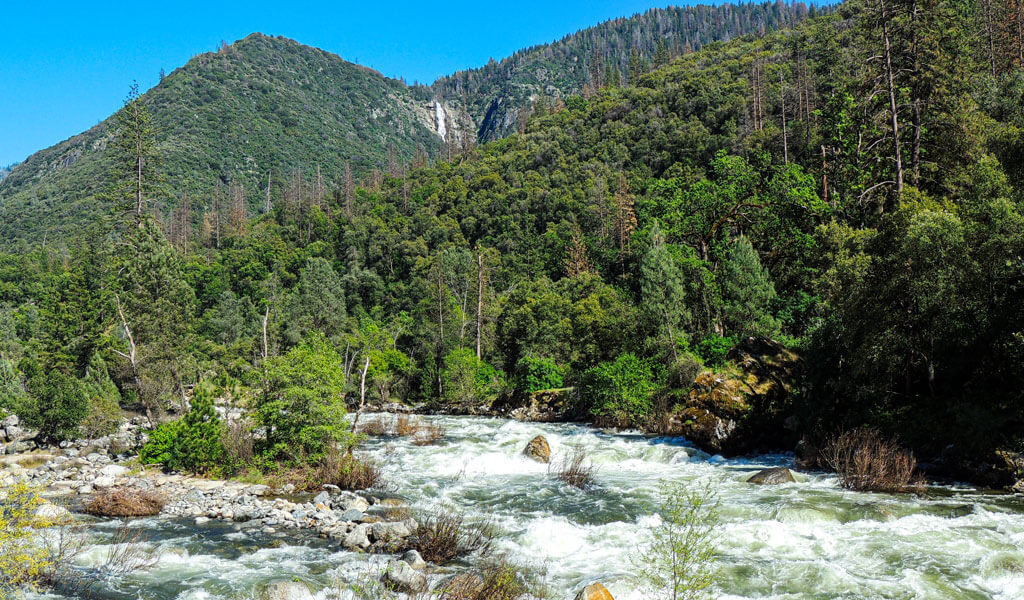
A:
x: 65, y: 66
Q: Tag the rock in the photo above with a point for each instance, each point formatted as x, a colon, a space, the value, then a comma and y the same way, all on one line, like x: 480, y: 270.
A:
x: 352, y: 516
x: 286, y: 590
x: 17, y: 434
x: 401, y: 577
x: 354, y: 503
x: 103, y: 482
x: 10, y: 421
x: 390, y: 532
x: 322, y: 498
x: 113, y: 471
x: 357, y: 539
x: 538, y: 449
x: 51, y: 512
x: 545, y: 406
x: 86, y: 489
x: 202, y: 520
x: 772, y: 476
x: 594, y: 591
x: 414, y: 560
x: 258, y: 490
x: 1018, y: 488
x: 19, y: 447
x: 287, y: 488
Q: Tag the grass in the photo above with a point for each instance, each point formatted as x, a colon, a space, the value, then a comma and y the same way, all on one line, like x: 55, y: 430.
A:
x: 446, y: 535
x: 576, y: 470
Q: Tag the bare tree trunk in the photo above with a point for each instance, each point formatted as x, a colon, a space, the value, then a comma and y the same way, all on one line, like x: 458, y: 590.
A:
x: 266, y: 346
x: 991, y: 37
x: 440, y: 324
x: 892, y: 97
x: 267, y: 206
x: 479, y: 301
x: 785, y: 141
x: 362, y: 397
x: 132, y: 357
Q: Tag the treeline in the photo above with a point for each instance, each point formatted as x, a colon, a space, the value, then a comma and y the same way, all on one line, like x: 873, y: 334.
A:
x: 850, y: 187
x: 500, y: 95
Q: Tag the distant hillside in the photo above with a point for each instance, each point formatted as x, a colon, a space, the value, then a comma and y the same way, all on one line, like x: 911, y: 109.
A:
x: 269, y: 106
x: 614, y: 52
x: 5, y: 171
x: 262, y: 106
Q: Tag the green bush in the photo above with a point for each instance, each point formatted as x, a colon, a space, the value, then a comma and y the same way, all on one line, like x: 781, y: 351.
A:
x: 533, y: 374
x: 714, y: 348
x: 468, y: 380
x: 193, y: 443
x: 56, y: 405
x: 620, y: 390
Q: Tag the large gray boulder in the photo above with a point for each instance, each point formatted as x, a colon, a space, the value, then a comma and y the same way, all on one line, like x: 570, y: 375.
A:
x: 772, y: 476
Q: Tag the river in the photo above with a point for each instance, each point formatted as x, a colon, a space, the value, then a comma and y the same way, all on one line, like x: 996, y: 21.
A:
x: 807, y: 540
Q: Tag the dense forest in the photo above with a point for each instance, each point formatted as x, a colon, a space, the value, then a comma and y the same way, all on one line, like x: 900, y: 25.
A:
x: 264, y: 111
x: 850, y: 187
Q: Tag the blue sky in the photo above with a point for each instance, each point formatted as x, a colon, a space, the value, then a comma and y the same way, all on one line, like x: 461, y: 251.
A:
x: 65, y: 66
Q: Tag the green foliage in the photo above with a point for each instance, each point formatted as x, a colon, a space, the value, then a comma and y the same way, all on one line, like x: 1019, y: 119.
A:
x: 56, y: 404
x: 192, y: 443
x: 468, y: 381
x: 620, y: 390
x: 679, y: 561
x: 104, y: 414
x: 302, y: 405
x: 748, y: 292
x: 533, y: 374
x: 714, y: 348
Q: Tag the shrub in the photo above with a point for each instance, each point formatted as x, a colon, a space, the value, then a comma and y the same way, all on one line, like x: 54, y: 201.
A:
x: 446, y: 535
x: 468, y: 380
x: 714, y: 348
x: 620, y: 390
x: 302, y: 408
x: 497, y: 579
x: 334, y: 467
x: 865, y: 461
x: 24, y: 558
x: 679, y: 561
x: 684, y: 370
x: 375, y: 427
x: 533, y: 374
x: 56, y: 404
x: 125, y: 502
x: 193, y: 443
x: 576, y: 470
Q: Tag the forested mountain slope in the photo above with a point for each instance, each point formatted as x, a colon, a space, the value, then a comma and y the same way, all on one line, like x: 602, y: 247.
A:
x: 270, y: 108
x: 259, y: 108
x: 500, y: 95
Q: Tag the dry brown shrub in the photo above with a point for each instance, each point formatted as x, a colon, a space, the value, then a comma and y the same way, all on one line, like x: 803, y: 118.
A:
x: 447, y: 535
x: 125, y: 502
x: 375, y: 427
x: 497, y: 579
x: 576, y: 470
x: 431, y: 433
x: 238, y: 442
x: 407, y: 426
x: 866, y: 461
x: 343, y: 469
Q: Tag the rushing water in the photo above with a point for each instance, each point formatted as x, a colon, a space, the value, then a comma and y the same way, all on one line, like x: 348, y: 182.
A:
x: 810, y: 539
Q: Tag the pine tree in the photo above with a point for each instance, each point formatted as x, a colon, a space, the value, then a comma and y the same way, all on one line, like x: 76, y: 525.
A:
x: 135, y: 154
x: 663, y: 291
x: 748, y: 292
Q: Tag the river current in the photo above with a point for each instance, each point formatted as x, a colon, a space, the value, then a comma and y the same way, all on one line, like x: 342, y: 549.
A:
x: 805, y: 540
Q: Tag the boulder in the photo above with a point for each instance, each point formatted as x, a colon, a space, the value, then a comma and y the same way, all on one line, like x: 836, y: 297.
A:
x: 322, y: 498
x: 351, y: 516
x: 286, y: 590
x: 772, y: 476
x: 51, y: 512
x: 114, y: 471
x: 594, y: 591
x: 401, y: 577
x: 538, y: 449
x: 415, y: 560
x: 357, y: 539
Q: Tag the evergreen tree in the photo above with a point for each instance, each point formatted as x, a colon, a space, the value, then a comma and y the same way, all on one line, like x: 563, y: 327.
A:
x: 747, y: 292
x: 663, y: 292
x: 317, y: 302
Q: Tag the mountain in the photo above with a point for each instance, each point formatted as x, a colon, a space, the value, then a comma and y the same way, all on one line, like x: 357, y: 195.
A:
x: 5, y: 171
x: 269, y: 107
x: 498, y: 95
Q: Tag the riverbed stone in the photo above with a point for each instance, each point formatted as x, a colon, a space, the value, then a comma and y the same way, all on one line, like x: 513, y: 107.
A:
x: 538, y: 449
x: 286, y: 590
x: 358, y: 538
x: 414, y: 560
x: 352, y: 516
x: 113, y: 471
x: 772, y: 476
x: 403, y: 578
x: 594, y: 591
x: 322, y: 498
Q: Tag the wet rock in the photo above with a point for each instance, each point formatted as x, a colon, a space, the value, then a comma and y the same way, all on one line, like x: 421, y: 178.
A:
x: 357, y: 539
x: 352, y: 516
x: 286, y: 590
x: 414, y: 560
x: 594, y: 591
x: 403, y: 578
x: 538, y: 449
x: 322, y: 498
x: 772, y: 476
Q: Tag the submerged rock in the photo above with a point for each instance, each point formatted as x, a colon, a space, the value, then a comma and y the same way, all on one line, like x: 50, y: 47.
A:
x: 594, y: 591
x: 286, y: 590
x: 772, y: 476
x: 538, y: 449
